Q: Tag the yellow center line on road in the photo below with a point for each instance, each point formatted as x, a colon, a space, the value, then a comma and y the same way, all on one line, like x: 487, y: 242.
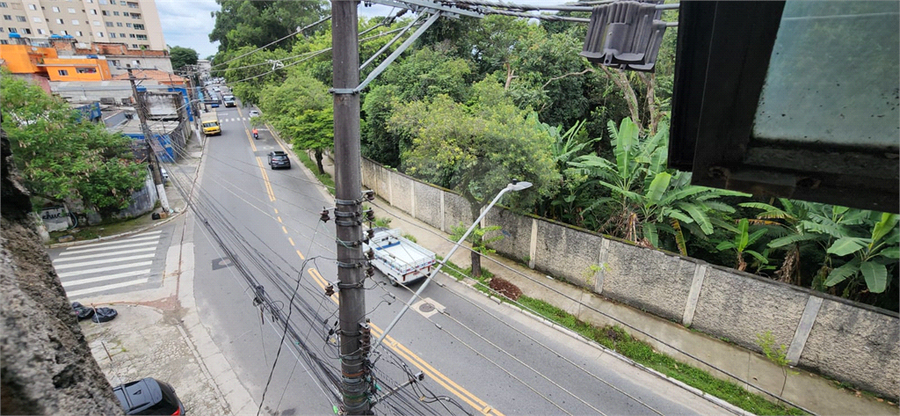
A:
x: 279, y: 220
x: 266, y: 179
x: 301, y: 255
x: 421, y: 364
x: 283, y: 228
x: 291, y: 240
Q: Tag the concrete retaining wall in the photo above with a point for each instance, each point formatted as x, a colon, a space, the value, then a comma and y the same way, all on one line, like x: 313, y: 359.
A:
x: 835, y: 337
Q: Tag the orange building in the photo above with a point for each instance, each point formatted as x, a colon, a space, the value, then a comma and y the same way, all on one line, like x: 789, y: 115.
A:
x: 25, y: 59
x: 77, y: 69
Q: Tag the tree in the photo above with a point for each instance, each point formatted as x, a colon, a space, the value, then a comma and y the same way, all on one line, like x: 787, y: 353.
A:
x: 302, y: 111
x: 182, y: 56
x: 62, y: 156
x: 243, y: 23
x: 645, y: 197
x: 742, y: 242
x: 477, y: 149
x: 871, y: 256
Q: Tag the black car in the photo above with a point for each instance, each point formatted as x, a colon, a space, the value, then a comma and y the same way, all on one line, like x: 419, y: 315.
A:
x: 148, y: 396
x: 279, y: 159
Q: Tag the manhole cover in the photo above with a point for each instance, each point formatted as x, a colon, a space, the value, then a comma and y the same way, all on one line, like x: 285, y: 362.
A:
x: 426, y: 307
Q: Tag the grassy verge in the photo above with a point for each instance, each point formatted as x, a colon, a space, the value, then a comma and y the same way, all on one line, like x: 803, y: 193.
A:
x: 103, y: 229
x: 310, y: 164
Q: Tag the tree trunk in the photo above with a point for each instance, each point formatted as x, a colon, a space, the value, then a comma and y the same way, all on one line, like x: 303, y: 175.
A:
x: 621, y: 80
x: 476, y: 264
x: 318, y: 153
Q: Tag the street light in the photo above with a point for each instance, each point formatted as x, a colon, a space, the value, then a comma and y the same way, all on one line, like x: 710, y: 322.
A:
x: 513, y: 186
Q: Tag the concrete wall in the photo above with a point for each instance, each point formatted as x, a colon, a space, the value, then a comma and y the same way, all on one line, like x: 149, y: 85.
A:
x: 142, y: 201
x: 832, y: 336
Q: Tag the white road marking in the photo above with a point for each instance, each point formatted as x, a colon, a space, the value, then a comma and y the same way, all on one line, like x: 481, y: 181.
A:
x: 75, y: 293
x: 104, y: 269
x: 104, y: 278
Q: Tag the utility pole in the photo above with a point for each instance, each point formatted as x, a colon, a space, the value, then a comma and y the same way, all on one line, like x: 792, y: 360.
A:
x: 152, y: 160
x: 348, y: 200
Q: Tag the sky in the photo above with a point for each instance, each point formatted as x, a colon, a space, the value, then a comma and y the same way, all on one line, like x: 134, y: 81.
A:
x: 187, y: 23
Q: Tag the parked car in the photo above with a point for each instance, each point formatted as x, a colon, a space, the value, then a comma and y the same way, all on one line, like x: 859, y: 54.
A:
x: 254, y: 113
x: 279, y: 159
x: 148, y: 396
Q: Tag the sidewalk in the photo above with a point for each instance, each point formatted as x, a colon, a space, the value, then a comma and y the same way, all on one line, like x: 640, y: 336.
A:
x: 158, y: 332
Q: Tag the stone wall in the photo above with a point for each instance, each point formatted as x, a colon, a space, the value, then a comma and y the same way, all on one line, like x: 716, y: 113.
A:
x: 46, y: 366
x: 832, y: 336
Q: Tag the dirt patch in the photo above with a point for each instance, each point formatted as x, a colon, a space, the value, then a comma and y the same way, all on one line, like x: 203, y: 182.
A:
x: 506, y: 288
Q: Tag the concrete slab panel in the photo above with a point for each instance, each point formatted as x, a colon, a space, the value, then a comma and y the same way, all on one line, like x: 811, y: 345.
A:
x: 739, y: 307
x: 854, y: 344
x: 428, y: 204
x: 648, y: 279
x: 567, y: 253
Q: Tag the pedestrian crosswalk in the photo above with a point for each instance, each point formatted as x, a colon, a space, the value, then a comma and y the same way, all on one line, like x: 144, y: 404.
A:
x: 109, y: 267
x: 232, y: 119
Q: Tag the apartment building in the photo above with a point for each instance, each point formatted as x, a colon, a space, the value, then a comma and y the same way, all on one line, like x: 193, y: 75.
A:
x: 132, y: 22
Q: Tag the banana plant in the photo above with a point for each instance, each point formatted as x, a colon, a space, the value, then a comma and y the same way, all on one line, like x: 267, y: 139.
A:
x: 742, y: 240
x: 871, y: 256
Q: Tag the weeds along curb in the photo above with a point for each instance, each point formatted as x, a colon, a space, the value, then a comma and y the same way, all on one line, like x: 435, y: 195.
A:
x: 700, y: 393
x: 120, y: 235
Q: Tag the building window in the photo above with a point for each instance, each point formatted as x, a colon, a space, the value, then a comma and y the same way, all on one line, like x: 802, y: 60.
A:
x: 37, y: 19
x: 71, y: 10
x: 142, y: 37
x: 125, y: 14
x: 56, y: 9
x: 104, y: 2
x: 127, y: 24
x: 78, y: 33
x: 112, y: 35
x: 119, y: 24
x: 109, y: 24
x: 64, y: 32
x: 138, y: 26
x: 133, y: 5
x: 2, y: 30
x: 94, y: 12
x: 100, y: 34
x: 112, y: 1
x: 105, y: 13
x: 3, y: 4
x: 59, y: 21
x: 27, y: 31
x: 7, y: 17
x: 20, y: 19
x: 116, y: 13
x: 13, y: 30
x: 135, y: 16
x: 32, y: 7
x: 96, y: 23
x: 134, y: 46
x: 4, y: 41
x: 75, y: 22
x: 41, y: 31
x: 86, y: 70
x: 131, y: 35
x: 113, y: 62
x: 62, y: 72
x: 121, y: 35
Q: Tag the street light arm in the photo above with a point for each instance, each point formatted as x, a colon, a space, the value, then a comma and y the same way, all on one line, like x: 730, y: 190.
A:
x: 511, y: 187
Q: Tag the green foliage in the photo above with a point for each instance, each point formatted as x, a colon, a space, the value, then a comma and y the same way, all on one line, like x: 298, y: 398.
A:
x: 645, y: 197
x: 62, y: 158
x: 301, y: 110
x: 741, y: 243
x: 778, y: 354
x: 182, y: 56
x: 871, y: 255
x: 242, y: 23
x: 476, y: 237
x: 477, y: 149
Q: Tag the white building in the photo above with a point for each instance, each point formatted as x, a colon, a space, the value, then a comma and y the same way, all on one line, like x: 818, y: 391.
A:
x: 133, y: 22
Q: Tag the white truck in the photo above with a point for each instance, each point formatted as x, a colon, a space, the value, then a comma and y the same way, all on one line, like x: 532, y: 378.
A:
x: 401, y: 260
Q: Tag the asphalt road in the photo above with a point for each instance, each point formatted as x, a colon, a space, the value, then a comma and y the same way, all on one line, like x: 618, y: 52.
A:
x: 477, y: 356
